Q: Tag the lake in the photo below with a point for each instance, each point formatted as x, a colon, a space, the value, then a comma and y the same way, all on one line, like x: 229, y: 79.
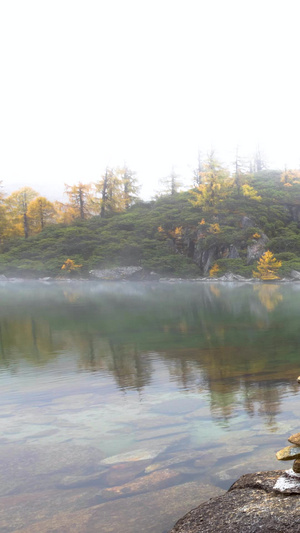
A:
x: 124, y: 405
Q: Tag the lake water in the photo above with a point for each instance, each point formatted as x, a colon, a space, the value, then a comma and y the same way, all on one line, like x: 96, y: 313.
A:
x: 125, y: 405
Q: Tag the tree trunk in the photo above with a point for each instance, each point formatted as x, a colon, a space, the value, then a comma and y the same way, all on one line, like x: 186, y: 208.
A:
x: 25, y: 223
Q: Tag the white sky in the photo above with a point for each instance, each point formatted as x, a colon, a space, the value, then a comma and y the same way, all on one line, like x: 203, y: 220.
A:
x: 85, y: 84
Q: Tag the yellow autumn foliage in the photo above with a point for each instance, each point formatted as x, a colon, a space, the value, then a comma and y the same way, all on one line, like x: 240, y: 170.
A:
x: 214, y: 228
x: 70, y: 266
x: 267, y: 267
x: 214, y: 270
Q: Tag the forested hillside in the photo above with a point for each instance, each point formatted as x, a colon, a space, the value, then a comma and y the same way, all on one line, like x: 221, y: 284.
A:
x: 224, y: 223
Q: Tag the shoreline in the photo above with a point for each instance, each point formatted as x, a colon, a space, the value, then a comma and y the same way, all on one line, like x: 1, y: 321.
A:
x: 227, y: 278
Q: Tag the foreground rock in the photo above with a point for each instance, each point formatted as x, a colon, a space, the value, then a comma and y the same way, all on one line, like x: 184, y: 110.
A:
x: 250, y: 505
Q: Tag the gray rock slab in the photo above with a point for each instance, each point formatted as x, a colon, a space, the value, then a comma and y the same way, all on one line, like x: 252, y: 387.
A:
x: 250, y: 505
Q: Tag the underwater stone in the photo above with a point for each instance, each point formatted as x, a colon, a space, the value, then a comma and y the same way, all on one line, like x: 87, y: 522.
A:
x: 156, y: 480
x: 296, y: 466
x: 135, y: 455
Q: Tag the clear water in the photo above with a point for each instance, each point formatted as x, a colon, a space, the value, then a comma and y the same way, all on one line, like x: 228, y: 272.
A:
x: 125, y: 405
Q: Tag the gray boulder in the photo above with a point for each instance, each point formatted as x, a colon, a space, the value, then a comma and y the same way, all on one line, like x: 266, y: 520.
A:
x: 250, y: 505
x: 295, y: 274
x: 247, y: 223
x: 229, y: 276
x: 124, y: 273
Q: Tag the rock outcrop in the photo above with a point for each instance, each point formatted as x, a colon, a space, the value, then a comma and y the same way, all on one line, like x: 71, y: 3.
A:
x: 250, y: 505
x: 122, y: 273
x: 257, y: 249
x: 295, y: 275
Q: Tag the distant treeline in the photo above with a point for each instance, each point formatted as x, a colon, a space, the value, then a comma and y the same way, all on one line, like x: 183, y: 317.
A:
x: 211, y: 227
x: 25, y: 212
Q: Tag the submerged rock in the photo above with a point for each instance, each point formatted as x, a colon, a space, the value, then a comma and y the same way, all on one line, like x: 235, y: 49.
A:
x: 175, y: 460
x: 135, y: 455
x: 156, y: 480
x: 138, y: 513
x: 250, y: 505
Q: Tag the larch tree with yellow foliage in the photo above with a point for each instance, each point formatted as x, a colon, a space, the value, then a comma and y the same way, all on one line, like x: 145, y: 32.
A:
x: 290, y: 177
x: 3, y: 218
x: 80, y: 199
x: 214, y: 270
x: 17, y: 211
x: 41, y: 212
x: 109, y: 189
x: 213, y: 185
x: 267, y: 267
x: 70, y: 266
x: 129, y: 186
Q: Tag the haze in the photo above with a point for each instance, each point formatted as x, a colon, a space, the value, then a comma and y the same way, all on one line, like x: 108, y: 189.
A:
x: 96, y: 83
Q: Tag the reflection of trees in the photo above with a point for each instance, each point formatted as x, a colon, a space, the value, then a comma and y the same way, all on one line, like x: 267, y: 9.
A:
x: 232, y: 342
x: 129, y: 367
x: 269, y: 295
x: 29, y: 339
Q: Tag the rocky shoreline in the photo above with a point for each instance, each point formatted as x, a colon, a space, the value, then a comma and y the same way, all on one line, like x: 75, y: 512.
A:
x: 124, y: 275
x: 250, y: 505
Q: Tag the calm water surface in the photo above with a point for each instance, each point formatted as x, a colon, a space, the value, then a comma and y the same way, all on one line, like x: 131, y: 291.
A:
x: 125, y: 405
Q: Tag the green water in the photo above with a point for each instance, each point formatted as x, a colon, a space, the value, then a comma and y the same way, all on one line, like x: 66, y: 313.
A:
x: 194, y: 382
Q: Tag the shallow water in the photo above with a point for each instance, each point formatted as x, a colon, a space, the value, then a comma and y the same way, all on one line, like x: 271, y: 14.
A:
x: 125, y: 405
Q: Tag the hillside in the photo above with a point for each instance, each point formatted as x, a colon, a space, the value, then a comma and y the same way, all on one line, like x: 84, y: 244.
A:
x: 171, y: 236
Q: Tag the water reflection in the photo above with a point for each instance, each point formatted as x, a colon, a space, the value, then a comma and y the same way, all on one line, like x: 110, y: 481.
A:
x: 232, y: 341
x: 194, y: 382
x: 269, y: 295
